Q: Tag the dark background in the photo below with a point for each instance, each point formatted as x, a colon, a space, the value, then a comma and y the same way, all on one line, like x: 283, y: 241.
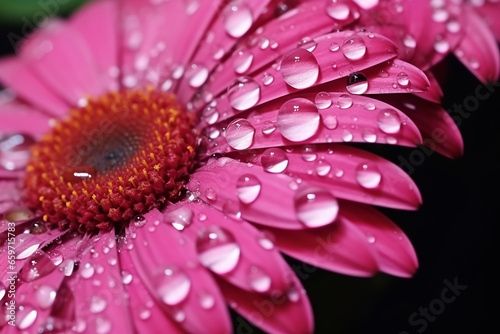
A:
x: 454, y: 234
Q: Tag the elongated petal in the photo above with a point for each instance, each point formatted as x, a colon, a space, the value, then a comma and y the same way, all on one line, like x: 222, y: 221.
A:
x: 478, y: 49
x: 21, y: 118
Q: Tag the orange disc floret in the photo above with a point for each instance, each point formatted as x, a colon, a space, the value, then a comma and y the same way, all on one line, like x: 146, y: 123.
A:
x: 119, y: 156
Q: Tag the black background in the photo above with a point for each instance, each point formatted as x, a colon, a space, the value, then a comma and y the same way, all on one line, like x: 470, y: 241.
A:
x: 454, y: 234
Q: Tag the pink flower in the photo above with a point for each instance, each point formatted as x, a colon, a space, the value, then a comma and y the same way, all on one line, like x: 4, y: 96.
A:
x: 157, y: 156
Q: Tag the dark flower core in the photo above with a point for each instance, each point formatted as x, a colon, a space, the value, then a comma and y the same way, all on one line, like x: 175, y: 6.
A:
x: 119, y: 156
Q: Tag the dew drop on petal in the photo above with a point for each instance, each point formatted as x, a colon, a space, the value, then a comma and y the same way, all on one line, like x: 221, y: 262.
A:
x: 265, y: 240
x: 323, y: 167
x: 45, y: 296
x: 369, y: 136
x: 237, y: 18
x: 308, y: 153
x: 330, y: 121
x: 2, y: 290
x: 97, y: 304
x: 366, y: 4
x: 441, y: 46
x: 126, y: 277
x: 403, y: 79
x: 232, y: 209
x: 248, y: 187
x: 240, y: 134
x: 315, y: 206
x: 217, y: 249
x: 357, y: 83
x: 323, y: 100
x: 298, y: 119
x: 15, y: 151
x: 87, y: 270
x: 409, y: 41
x: 267, y: 79
x: 180, y: 218
x: 368, y: 176
x: 259, y: 280
x: 171, y: 284
x: 211, y: 194
x: 307, y: 43
x: 38, y: 266
x: 206, y: 301
x: 354, y: 48
x: 197, y: 75
x: 25, y: 317
x: 102, y: 325
x: 242, y: 62
x: 338, y: 10
x: 18, y: 214
x: 274, y: 160
x: 139, y: 221
x: 334, y: 46
x: 388, y: 121
x: 299, y: 69
x: 344, y: 101
x: 244, y: 93
x: 268, y: 128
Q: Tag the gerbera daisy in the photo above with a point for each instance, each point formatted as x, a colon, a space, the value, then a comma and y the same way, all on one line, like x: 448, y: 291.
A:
x: 157, y: 156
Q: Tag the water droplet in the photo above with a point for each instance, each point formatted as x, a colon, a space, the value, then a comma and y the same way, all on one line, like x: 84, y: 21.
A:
x: 453, y: 26
x: 330, y: 121
x: 265, y: 240
x: 409, y: 41
x: 139, y: 221
x: 403, y: 79
x: 274, y: 160
x: 371, y: 239
x: 299, y: 69
x: 388, y: 121
x: 102, y: 325
x: 338, y: 10
x: 211, y: 194
x: 344, y: 101
x: 307, y: 43
x: 25, y: 317
x: 268, y: 128
x: 293, y: 294
x: 244, y: 93
x: 369, y: 136
x: 308, y: 153
x: 179, y: 316
x: 323, y: 100
x: 370, y: 106
x: 2, y: 290
x: 26, y: 238
x: 38, y: 266
x: 18, y: 214
x: 126, y: 277
x: 366, y: 4
x: 97, y: 304
x: 240, y: 134
x: 334, y: 46
x: 347, y: 136
x: 368, y: 176
x: 354, y: 48
x: 357, y: 83
x: 315, y: 206
x: 323, y: 168
x: 232, y: 209
x: 67, y: 267
x: 237, y: 18
x: 267, y: 79
x: 242, y: 61
x: 217, y: 249
x: 441, y: 46
x: 172, y: 284
x: 259, y: 280
x: 87, y: 270
x: 206, y: 301
x: 248, y: 187
x: 440, y: 15
x: 15, y: 151
x: 298, y: 119
x: 180, y: 218
x: 197, y: 75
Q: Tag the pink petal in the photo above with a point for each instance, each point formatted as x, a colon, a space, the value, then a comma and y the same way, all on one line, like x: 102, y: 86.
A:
x: 10, y: 191
x: 434, y: 93
x: 20, y: 118
x: 15, y: 74
x: 439, y: 131
x: 336, y: 117
x: 251, y: 272
x: 151, y: 258
x: 278, y: 313
x: 339, y: 247
x: 314, y: 68
x: 61, y: 58
x: 394, y: 253
x: 97, y: 23
x: 490, y: 11
x: 97, y: 288
x: 478, y: 50
x: 274, y: 38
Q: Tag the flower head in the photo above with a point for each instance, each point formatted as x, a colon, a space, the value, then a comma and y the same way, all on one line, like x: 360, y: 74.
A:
x: 157, y: 157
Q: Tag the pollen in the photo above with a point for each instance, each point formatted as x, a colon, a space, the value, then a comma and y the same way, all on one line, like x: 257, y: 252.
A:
x: 119, y: 156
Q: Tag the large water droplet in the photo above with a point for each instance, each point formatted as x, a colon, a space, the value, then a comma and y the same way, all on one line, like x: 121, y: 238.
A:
x: 197, y: 75
x: 388, y: 121
x: 38, y: 266
x: 354, y: 48
x: 242, y: 61
x: 368, y: 175
x: 15, y: 151
x: 357, y: 83
x: 217, y: 249
x: 237, y: 18
x: 240, y: 134
x: 403, y: 79
x: 259, y: 280
x: 274, y: 160
x: 244, y: 93
x: 26, y: 316
x: 248, y: 187
x: 172, y: 284
x: 298, y: 119
x: 299, y: 69
x: 315, y: 206
x: 180, y: 218
x: 338, y: 10
x: 18, y: 214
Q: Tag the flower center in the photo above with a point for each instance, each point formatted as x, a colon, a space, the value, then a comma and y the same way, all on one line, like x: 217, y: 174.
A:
x: 119, y: 156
